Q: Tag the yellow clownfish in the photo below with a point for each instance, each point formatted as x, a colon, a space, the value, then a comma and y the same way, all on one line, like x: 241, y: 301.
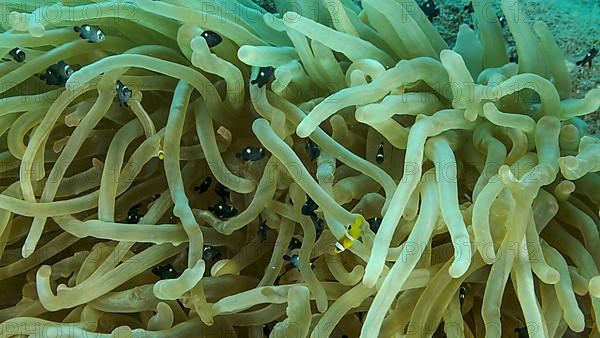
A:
x: 352, y: 234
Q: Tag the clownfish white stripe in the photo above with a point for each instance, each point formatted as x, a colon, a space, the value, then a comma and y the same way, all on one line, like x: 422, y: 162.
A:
x: 350, y: 236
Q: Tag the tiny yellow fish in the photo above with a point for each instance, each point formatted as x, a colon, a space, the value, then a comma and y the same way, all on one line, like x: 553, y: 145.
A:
x: 352, y: 234
x: 161, y: 152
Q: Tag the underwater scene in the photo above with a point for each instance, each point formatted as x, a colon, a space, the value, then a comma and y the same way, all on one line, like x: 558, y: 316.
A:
x: 299, y: 168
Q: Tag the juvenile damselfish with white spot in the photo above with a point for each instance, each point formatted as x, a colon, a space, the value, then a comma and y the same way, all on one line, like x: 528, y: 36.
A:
x: 295, y: 243
x: 212, y: 38
x: 165, y: 272
x: 469, y: 8
x: 123, y: 94
x: 313, y: 150
x: 430, y: 9
x: 374, y: 223
x: 134, y: 215
x: 17, y: 54
x: 204, y: 185
x: 588, y: 58
x: 264, y: 76
x: 90, y: 33
x: 252, y: 154
x: 319, y: 224
x: 210, y: 253
x: 222, y: 191
x: 379, y: 158
x: 262, y: 232
x: 295, y: 261
x: 223, y: 210
x: 522, y: 332
x: 309, y: 207
x: 57, y: 74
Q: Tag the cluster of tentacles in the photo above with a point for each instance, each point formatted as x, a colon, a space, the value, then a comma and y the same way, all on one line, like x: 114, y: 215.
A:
x: 182, y: 168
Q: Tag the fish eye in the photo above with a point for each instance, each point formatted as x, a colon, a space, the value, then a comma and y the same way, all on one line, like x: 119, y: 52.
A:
x: 212, y: 38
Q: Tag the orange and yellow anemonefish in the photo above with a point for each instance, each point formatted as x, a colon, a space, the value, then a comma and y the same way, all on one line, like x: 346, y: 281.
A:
x: 352, y: 234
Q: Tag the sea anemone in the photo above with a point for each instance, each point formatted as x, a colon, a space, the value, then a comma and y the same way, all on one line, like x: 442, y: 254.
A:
x: 182, y: 168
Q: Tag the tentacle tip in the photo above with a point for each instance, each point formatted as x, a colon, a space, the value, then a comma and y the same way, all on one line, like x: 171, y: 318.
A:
x: 594, y: 287
x: 61, y: 288
x: 447, y: 53
x: 458, y: 268
x: 290, y: 18
x: 303, y: 130
x: 579, y: 324
x: 488, y: 256
x: 369, y: 280
x: 44, y: 271
x: 27, y: 251
x: 552, y: 277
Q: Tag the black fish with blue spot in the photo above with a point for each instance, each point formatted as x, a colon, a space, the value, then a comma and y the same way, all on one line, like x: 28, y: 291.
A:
x: 264, y: 76
x: 294, y: 260
x: 212, y: 38
x: 165, y: 272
